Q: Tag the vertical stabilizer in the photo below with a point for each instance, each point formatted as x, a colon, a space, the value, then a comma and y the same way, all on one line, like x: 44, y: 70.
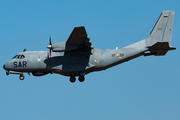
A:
x: 159, y: 40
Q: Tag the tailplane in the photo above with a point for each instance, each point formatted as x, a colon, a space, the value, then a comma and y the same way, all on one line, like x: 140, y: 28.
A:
x: 159, y: 40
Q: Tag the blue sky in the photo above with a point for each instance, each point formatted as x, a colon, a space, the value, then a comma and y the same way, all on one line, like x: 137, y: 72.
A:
x: 145, y: 88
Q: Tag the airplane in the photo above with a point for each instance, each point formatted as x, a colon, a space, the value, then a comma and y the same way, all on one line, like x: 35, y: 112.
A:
x: 78, y: 57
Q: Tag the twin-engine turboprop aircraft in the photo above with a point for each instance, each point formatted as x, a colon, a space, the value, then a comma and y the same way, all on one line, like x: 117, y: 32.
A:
x: 77, y: 56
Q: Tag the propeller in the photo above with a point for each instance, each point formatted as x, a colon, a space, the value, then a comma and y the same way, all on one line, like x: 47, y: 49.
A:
x: 50, y: 49
x: 50, y: 45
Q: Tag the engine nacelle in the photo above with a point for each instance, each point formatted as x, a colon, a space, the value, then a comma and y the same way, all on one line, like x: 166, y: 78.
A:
x: 39, y: 73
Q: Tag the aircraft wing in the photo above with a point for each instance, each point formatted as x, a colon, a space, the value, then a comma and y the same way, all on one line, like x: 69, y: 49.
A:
x: 79, y: 38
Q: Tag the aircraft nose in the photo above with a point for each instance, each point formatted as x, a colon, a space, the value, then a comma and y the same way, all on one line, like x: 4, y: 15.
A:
x: 4, y: 66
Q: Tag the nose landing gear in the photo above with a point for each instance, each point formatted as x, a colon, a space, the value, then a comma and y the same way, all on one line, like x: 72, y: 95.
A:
x: 21, y: 77
x: 7, y: 72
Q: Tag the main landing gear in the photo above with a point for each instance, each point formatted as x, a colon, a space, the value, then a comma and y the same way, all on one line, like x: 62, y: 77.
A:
x: 73, y: 77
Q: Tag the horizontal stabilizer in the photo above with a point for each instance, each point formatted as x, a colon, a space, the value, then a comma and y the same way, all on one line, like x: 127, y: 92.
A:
x: 159, y: 49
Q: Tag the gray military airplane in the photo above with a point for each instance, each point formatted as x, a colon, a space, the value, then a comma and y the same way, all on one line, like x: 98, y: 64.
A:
x: 77, y: 56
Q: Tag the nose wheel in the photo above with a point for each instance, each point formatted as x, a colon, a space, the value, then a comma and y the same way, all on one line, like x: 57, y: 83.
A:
x: 7, y: 72
x: 21, y: 77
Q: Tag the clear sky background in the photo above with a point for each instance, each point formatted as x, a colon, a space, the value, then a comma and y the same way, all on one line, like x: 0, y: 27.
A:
x: 146, y: 88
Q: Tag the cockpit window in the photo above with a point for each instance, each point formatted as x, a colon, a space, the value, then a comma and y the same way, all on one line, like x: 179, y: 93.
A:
x: 19, y: 57
x: 14, y: 57
x: 22, y: 56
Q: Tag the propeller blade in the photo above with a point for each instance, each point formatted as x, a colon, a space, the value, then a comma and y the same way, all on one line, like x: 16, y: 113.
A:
x: 50, y: 54
x: 50, y: 40
x: 50, y: 49
x: 49, y: 57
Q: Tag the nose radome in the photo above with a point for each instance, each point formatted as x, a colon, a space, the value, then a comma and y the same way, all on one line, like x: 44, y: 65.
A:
x: 4, y: 66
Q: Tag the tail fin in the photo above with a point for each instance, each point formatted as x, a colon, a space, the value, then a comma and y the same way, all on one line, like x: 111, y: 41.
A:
x: 159, y: 40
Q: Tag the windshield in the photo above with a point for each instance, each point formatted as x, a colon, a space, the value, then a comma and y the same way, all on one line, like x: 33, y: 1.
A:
x: 14, y: 57
x: 18, y: 57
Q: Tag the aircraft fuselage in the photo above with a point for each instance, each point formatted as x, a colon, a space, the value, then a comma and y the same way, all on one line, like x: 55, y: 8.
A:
x: 66, y: 62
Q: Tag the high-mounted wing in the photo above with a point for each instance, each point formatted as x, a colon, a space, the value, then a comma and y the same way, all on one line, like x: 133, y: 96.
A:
x: 79, y: 37
x: 77, y: 40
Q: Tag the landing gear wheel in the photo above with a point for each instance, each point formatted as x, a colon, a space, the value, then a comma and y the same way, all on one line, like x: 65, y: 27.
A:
x: 81, y: 78
x: 21, y: 77
x: 72, y: 79
x: 7, y: 72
